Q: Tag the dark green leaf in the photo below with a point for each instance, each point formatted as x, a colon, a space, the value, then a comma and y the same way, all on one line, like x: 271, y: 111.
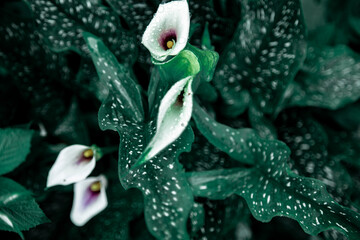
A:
x: 271, y: 189
x: 61, y: 23
x: 32, y: 67
x: 207, y: 60
x: 18, y: 210
x: 167, y: 196
x: 264, y: 55
x: 308, y: 142
x: 222, y: 217
x: 14, y: 147
x: 344, y: 146
x: 329, y: 79
x: 259, y: 122
x: 237, y: 143
x: 221, y: 27
x: 348, y: 117
x: 206, y: 40
x: 72, y: 129
x: 113, y: 222
x: 344, y: 16
x: 136, y: 15
x: 206, y: 92
x: 124, y: 94
x: 205, y: 156
x: 197, y: 217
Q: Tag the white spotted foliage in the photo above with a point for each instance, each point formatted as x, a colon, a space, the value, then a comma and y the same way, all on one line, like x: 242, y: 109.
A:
x: 311, y: 153
x: 61, y: 23
x: 237, y: 143
x: 124, y: 99
x: 263, y: 57
x: 271, y: 189
x: 168, y: 197
x: 330, y: 78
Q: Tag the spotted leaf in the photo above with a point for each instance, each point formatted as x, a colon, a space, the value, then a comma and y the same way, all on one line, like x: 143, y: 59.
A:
x: 61, y: 23
x: 264, y: 55
x: 136, y: 15
x: 271, y: 189
x: 222, y: 217
x: 237, y: 143
x: 259, y: 122
x: 124, y: 96
x: 221, y: 27
x: 330, y: 78
x: 197, y: 217
x: 308, y: 142
x: 167, y: 196
x: 32, y: 67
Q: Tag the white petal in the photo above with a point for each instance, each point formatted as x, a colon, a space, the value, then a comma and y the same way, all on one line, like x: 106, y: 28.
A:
x: 68, y: 168
x: 172, y: 16
x: 85, y: 204
x: 172, y: 118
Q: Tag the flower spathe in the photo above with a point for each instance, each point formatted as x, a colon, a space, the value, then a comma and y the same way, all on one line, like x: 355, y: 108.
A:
x: 89, y: 199
x: 174, y: 115
x: 74, y: 163
x: 167, y: 33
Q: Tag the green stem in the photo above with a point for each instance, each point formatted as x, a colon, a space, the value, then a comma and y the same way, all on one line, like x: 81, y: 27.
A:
x: 109, y: 150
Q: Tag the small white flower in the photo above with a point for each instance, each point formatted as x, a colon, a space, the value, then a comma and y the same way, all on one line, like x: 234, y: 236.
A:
x: 168, y: 32
x: 173, y: 117
x: 89, y: 199
x: 74, y: 163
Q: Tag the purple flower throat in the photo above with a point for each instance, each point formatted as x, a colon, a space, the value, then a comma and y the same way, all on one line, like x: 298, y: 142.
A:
x: 168, y: 39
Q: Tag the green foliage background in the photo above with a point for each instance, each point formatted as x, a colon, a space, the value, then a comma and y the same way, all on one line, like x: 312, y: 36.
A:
x: 273, y: 147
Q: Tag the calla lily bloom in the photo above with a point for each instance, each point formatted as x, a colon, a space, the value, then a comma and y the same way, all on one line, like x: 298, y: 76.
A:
x: 173, y: 117
x: 89, y: 199
x: 73, y: 164
x: 168, y: 32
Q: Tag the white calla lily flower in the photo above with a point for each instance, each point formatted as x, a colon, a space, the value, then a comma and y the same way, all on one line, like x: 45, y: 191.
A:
x: 89, y: 199
x: 74, y: 163
x: 168, y: 32
x: 174, y: 115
